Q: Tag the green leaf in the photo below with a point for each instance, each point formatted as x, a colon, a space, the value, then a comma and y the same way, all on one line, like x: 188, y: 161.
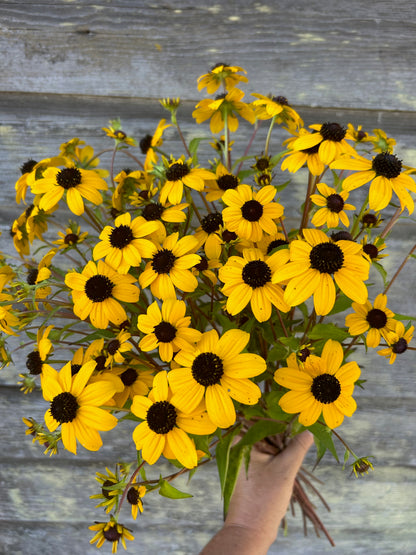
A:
x: 342, y: 303
x: 274, y: 410
x: 235, y: 460
x: 381, y: 271
x: 259, y: 430
x: 222, y: 455
x: 328, y: 331
x: 323, y: 441
x: 193, y: 149
x: 167, y: 490
x: 277, y: 352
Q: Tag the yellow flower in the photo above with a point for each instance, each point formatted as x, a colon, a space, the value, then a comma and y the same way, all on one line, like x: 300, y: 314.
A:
x: 250, y: 214
x: 112, y: 532
x: 219, y: 74
x: 149, y: 144
x: 96, y: 292
x: 124, y: 245
x: 313, y: 262
x: 209, y: 234
x: 167, y: 329
x: 330, y: 138
x: 36, y: 359
x: 333, y: 206
x: 71, y: 237
x: 165, y: 426
x: 398, y: 342
x: 323, y: 385
x: 117, y: 347
x: 136, y: 381
x: 179, y: 174
x: 134, y: 496
x: 226, y: 106
x: 74, y: 406
x: 217, y: 371
x: 77, y: 184
x: 115, y: 132
x: 248, y: 280
x: 276, y: 107
x: 223, y: 181
x: 377, y: 319
x: 298, y: 157
x: 384, y: 172
x: 170, y: 267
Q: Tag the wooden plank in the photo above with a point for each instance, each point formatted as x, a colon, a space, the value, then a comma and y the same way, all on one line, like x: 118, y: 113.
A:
x: 357, y: 55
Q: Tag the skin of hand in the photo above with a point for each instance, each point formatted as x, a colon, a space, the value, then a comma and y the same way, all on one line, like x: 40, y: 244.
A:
x: 260, y: 501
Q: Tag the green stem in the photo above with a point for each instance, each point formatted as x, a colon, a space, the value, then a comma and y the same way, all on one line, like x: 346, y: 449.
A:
x: 269, y: 134
x: 354, y: 228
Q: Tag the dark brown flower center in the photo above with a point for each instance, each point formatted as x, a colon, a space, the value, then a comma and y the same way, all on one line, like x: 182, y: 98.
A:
x: 400, y: 346
x: 161, y: 417
x: 32, y: 276
x: 100, y: 362
x: 262, y: 163
x: 369, y: 220
x: 28, y: 166
x: 207, y: 369
x: 371, y: 250
x: 104, y: 488
x: 303, y: 354
x: 177, y: 171
x: 327, y: 258
x: 64, y: 407
x: 68, y: 178
x: 212, y: 222
x: 145, y: 143
x: 163, y: 261
x: 376, y: 318
x: 342, y: 236
x: 71, y: 239
x: 229, y: 236
x: 252, y: 210
x: 112, y: 535
x: 326, y: 388
x: 282, y: 100
x: 276, y: 243
x: 113, y: 346
x: 129, y: 376
x: 387, y: 165
x: 335, y: 203
x: 121, y: 236
x: 75, y: 368
x: 332, y: 132
x: 227, y: 181
x: 98, y: 288
x: 165, y: 332
x: 152, y: 211
x: 256, y: 273
x: 202, y: 265
x: 133, y: 496
x: 34, y: 363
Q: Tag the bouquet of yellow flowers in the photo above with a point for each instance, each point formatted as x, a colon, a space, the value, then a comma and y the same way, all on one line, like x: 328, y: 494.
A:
x: 182, y: 295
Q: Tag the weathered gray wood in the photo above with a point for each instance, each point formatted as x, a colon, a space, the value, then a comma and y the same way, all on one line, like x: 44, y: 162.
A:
x: 348, y: 54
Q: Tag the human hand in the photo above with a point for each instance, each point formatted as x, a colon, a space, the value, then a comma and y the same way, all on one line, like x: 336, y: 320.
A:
x: 260, y: 500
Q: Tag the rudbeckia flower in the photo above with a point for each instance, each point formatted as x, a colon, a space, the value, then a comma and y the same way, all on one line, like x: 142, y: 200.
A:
x: 313, y: 262
x: 330, y: 138
x: 170, y: 267
x: 72, y: 236
x: 398, y: 342
x: 149, y: 143
x: 124, y: 245
x: 250, y: 214
x: 209, y: 234
x: 225, y: 106
x: 167, y: 329
x: 276, y: 107
x: 217, y: 371
x: 36, y: 359
x: 297, y: 158
x: 165, y: 427
x: 247, y: 279
x: 134, y: 496
x: 322, y: 386
x: 75, y: 406
x: 377, y: 319
x: 75, y: 183
x: 117, y: 347
x: 96, y: 292
x: 111, y: 531
x: 223, y: 181
x: 178, y: 174
x: 333, y: 207
x: 219, y: 74
x: 385, y: 173
x: 136, y: 381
